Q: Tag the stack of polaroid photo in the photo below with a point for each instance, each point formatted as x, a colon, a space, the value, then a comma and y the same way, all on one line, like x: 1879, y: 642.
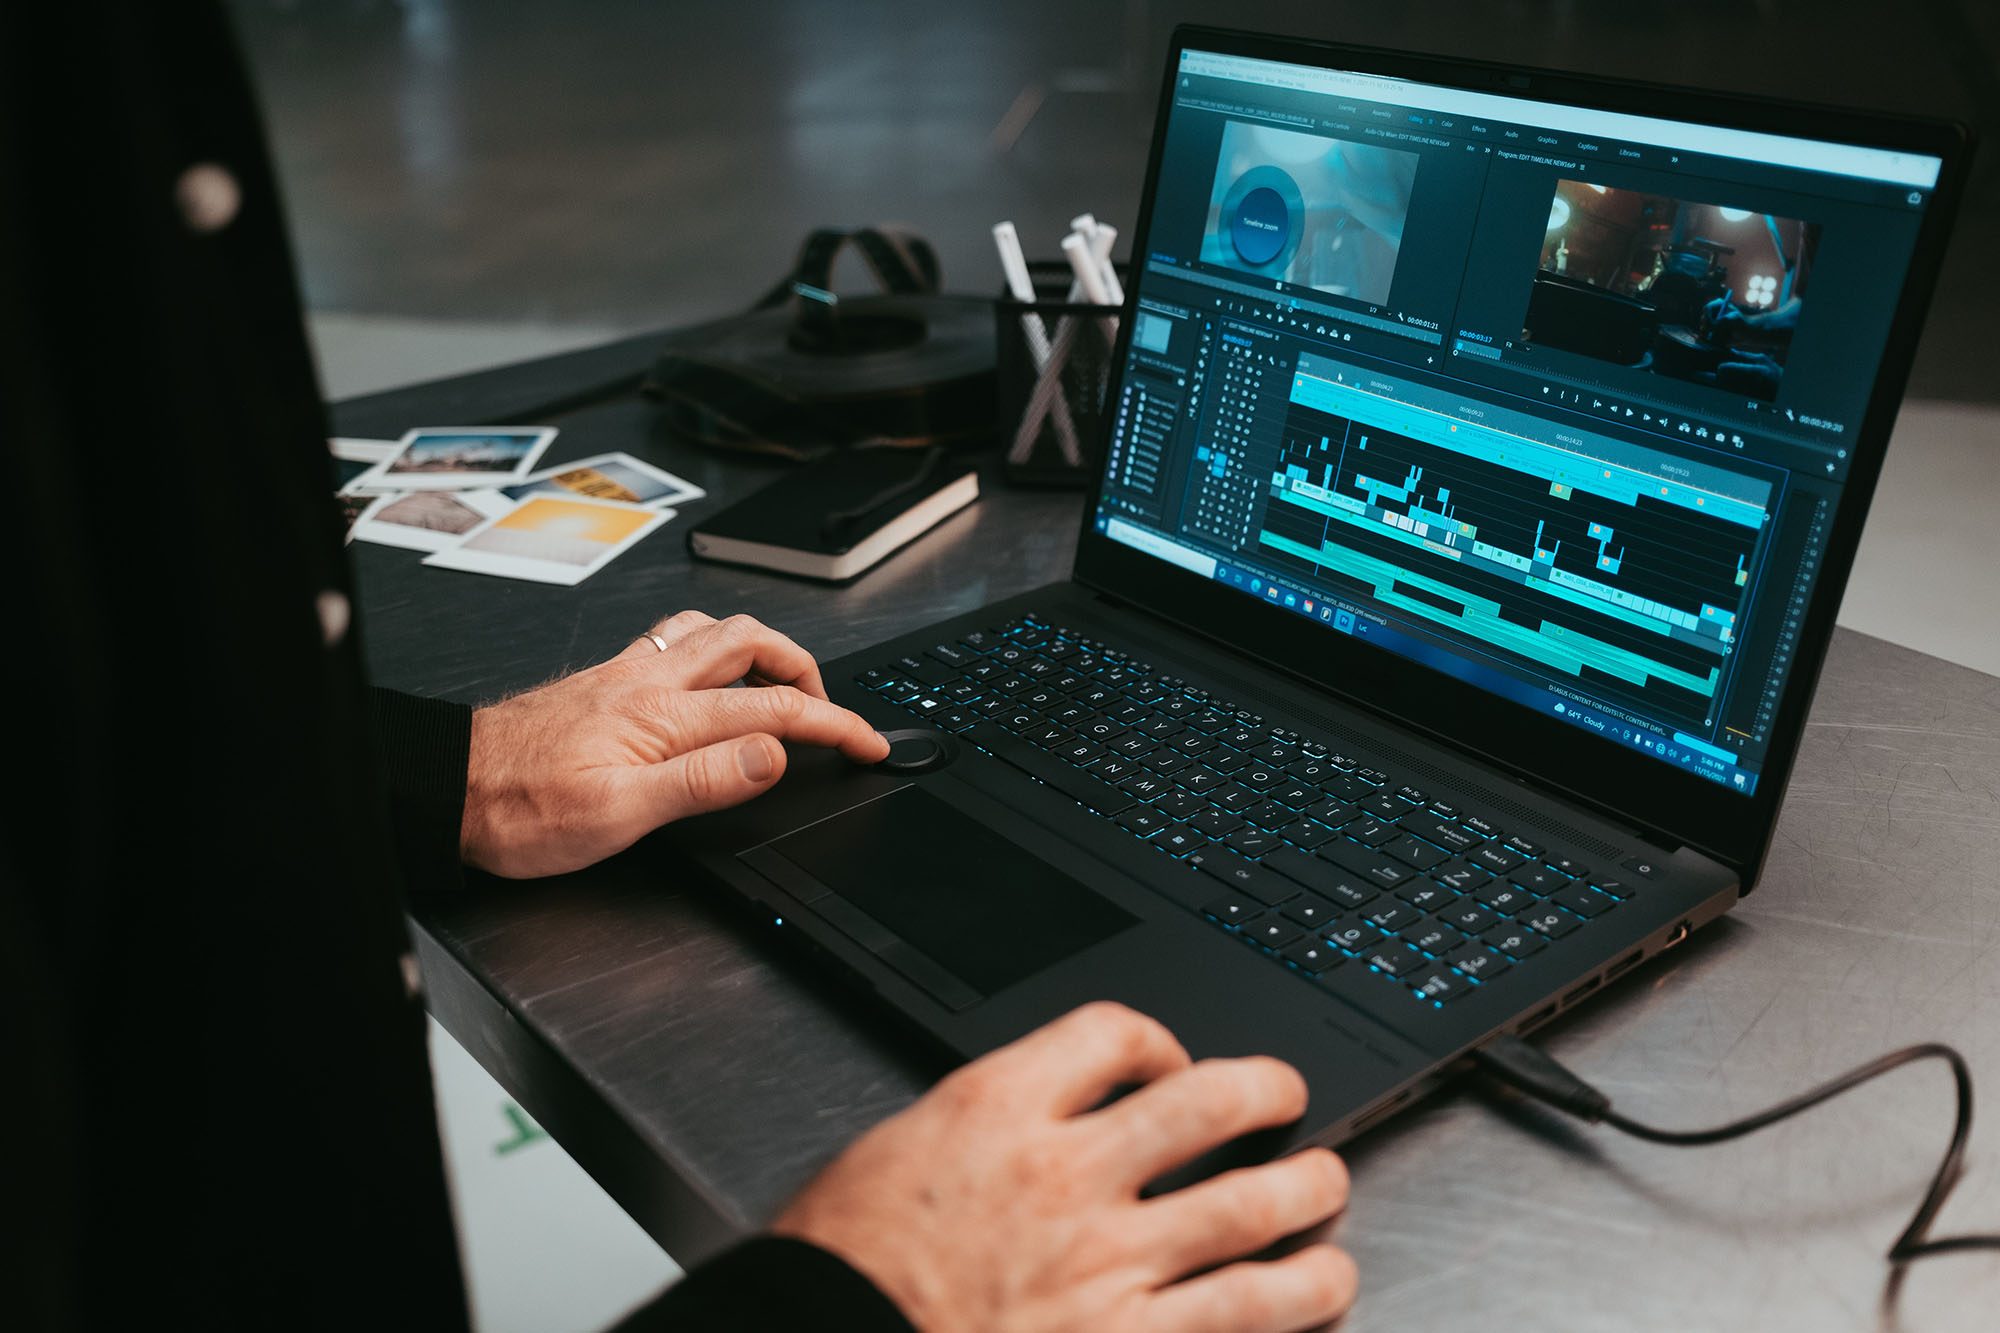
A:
x: 469, y: 495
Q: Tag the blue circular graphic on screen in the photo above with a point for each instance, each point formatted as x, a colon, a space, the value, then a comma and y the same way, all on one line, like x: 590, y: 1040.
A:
x: 1261, y: 221
x: 1262, y: 225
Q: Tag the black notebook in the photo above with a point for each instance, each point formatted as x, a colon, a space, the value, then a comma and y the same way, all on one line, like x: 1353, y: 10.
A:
x: 839, y: 515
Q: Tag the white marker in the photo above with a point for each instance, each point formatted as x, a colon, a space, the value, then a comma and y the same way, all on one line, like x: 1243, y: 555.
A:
x: 1088, y: 275
x: 1008, y: 242
x: 1091, y: 279
x: 1100, y: 250
x: 1084, y: 225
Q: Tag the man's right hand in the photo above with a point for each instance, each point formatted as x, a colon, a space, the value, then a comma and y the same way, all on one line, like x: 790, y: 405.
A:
x: 1002, y: 1200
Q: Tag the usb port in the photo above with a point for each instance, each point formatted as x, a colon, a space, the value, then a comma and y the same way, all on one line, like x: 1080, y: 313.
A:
x: 1537, y: 1018
x: 1577, y: 992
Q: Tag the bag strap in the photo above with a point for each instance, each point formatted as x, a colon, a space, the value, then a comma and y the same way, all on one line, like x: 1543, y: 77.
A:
x: 902, y: 261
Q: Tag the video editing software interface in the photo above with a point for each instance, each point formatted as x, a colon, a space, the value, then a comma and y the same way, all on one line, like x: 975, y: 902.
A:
x: 1557, y: 401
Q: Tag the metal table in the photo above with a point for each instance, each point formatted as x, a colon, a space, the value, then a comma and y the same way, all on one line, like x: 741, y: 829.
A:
x: 701, y: 1077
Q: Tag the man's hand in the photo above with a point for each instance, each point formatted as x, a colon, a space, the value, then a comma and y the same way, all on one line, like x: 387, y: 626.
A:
x: 1001, y: 1200
x: 567, y: 774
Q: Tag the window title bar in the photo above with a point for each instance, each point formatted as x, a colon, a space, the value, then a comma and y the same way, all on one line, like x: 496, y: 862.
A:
x: 1878, y: 164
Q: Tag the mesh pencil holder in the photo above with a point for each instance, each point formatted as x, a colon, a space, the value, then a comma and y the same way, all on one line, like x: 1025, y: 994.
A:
x: 1054, y: 359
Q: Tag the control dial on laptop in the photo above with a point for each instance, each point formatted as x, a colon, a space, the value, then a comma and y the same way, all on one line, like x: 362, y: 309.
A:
x: 917, y: 750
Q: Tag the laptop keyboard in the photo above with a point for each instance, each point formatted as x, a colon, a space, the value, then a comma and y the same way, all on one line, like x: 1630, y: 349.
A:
x: 1320, y: 860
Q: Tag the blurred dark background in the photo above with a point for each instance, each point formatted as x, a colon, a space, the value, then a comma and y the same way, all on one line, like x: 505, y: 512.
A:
x: 630, y: 164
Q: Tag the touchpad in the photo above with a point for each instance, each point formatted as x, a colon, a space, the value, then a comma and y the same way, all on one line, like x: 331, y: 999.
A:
x: 945, y: 885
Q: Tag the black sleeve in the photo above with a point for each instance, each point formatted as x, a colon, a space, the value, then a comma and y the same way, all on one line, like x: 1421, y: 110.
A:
x: 770, y: 1282
x: 422, y: 747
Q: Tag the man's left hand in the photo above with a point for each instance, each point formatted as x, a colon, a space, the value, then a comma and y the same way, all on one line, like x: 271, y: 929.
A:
x: 567, y: 774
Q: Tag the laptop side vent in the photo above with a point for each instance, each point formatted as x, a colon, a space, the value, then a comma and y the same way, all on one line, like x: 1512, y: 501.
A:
x: 1456, y: 782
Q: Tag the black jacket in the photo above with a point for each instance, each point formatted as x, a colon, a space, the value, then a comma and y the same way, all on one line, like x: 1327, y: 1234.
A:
x: 218, y: 1099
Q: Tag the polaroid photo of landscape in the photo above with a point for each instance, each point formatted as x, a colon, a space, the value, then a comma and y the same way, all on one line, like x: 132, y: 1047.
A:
x: 546, y: 539
x: 427, y: 520
x: 459, y: 458
x: 609, y: 477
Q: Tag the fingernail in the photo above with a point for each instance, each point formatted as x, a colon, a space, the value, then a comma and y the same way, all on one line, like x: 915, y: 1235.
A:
x: 754, y: 758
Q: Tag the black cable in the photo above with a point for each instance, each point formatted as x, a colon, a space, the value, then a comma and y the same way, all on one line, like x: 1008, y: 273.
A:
x: 1532, y: 1071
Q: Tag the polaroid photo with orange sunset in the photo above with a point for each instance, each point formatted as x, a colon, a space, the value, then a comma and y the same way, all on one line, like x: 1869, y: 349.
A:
x: 546, y: 539
x: 609, y: 477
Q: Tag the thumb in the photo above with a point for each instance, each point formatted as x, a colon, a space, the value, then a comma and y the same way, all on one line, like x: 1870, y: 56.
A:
x: 715, y: 777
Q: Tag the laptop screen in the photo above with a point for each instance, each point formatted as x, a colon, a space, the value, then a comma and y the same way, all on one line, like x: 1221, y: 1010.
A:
x: 1556, y: 401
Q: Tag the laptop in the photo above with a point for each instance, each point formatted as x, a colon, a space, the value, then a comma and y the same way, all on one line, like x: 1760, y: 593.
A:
x: 1485, y: 452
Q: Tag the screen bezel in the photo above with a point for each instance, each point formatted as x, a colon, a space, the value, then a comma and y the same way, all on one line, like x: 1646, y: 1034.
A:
x: 1671, y: 806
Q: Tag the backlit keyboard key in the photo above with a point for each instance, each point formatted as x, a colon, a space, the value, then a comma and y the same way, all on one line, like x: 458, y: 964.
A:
x: 1550, y: 921
x: 1477, y: 961
x: 1332, y: 813
x: 1393, y: 957
x: 1515, y: 941
x: 1233, y: 798
x: 1245, y: 877
x: 1329, y: 881
x: 1433, y: 937
x: 1313, y: 956
x: 1199, y: 780
x: 1353, y: 935
x: 1269, y: 815
x: 1463, y: 878
x: 1539, y: 879
x: 1254, y: 842
x: 1392, y: 916
x: 1426, y: 895
x: 1372, y: 866
x: 1470, y: 917
x: 1273, y: 932
x: 1439, y: 984
x: 1585, y: 902
x: 1505, y: 899
x: 1446, y: 834
x: 1307, y: 834
x: 1143, y: 820
x: 1233, y: 911
x: 1311, y: 911
x: 1215, y: 823
x: 1415, y: 852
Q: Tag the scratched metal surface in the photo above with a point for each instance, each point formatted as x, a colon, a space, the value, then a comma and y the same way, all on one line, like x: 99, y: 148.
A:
x: 702, y: 1079
x: 1876, y: 924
